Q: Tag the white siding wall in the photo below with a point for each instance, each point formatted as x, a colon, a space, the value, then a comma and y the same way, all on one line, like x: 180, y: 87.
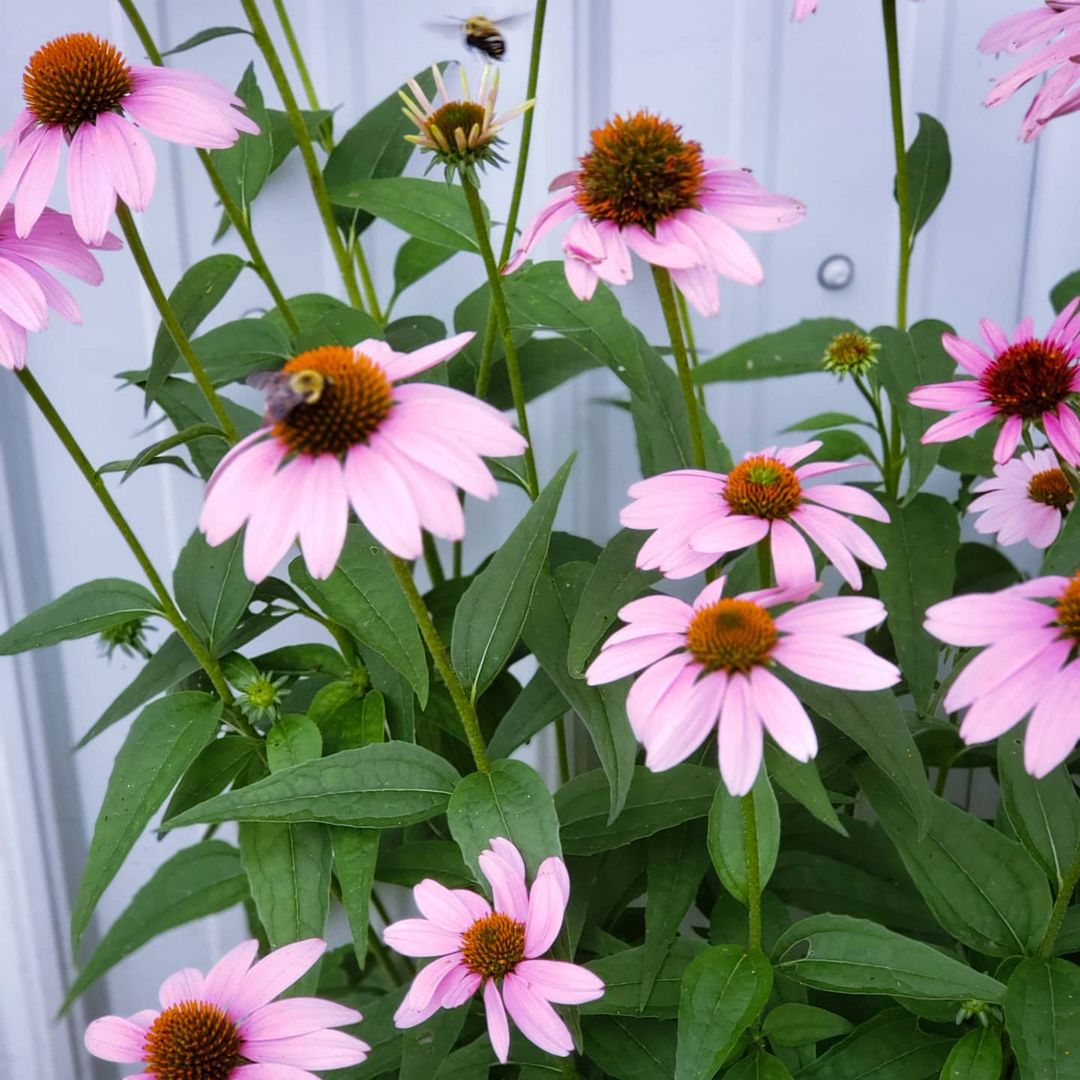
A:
x: 806, y: 106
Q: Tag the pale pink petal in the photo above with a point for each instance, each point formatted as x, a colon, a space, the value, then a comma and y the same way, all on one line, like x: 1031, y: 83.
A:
x: 37, y: 181
x: 422, y: 995
x: 649, y: 689
x: 959, y: 424
x: 448, y: 909
x: 560, y: 982
x: 994, y: 336
x: 967, y: 354
x: 237, y: 485
x: 442, y: 456
x: 19, y: 159
x: 267, y: 1071
x: 476, y: 425
x: 275, y: 973
x: 227, y: 975
x: 90, y: 191
x: 403, y: 365
x: 672, y: 255
x: 731, y: 255
x: 835, y: 661
x: 296, y: 1016
x: 435, y: 499
x: 184, y: 985
x: 583, y: 242
x: 507, y: 885
x: 981, y: 618
x: 581, y: 278
x: 181, y: 116
x: 679, y: 730
x: 698, y: 285
x: 729, y: 533
x: 1063, y: 431
x: 21, y: 297
x: 740, y: 741
x: 129, y: 160
x: 12, y: 344
x: 324, y: 515
x: 1008, y: 439
x: 983, y: 674
x: 381, y: 500
x: 617, y: 660
x: 562, y: 206
x: 834, y: 615
x: 663, y: 614
x: 315, y: 1050
x: 113, y: 1038
x: 793, y: 561
x: 418, y: 937
x: 1044, y: 526
x: 783, y: 715
x: 1054, y: 726
x: 535, y: 1018
x: 848, y: 500
x: 547, y: 906
x: 948, y: 396
x: 56, y: 296
x: 498, y: 1029
x: 275, y: 518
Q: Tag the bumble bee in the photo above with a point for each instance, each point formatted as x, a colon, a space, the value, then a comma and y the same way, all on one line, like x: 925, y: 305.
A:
x: 486, y: 35
x: 285, y: 390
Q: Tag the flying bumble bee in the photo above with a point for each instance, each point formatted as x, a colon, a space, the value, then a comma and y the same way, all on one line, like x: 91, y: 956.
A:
x: 485, y: 35
x: 286, y: 390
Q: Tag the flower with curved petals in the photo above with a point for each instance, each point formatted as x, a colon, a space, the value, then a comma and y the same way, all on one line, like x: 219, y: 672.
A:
x: 643, y: 188
x: 80, y: 90
x: 1026, y: 380
x: 226, y: 1025
x: 696, y: 516
x: 1026, y: 499
x: 1052, y: 30
x: 497, y: 950
x: 27, y: 289
x: 1029, y: 665
x: 709, y: 666
x: 342, y: 429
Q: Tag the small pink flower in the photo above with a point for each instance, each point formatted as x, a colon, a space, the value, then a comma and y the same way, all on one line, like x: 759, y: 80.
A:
x: 78, y: 89
x: 803, y: 8
x: 1031, y: 665
x: 719, y: 671
x: 643, y: 188
x: 697, y: 516
x: 1025, y: 499
x: 495, y: 951
x: 342, y: 430
x: 1052, y: 30
x: 27, y: 289
x: 1026, y: 380
x: 226, y: 1025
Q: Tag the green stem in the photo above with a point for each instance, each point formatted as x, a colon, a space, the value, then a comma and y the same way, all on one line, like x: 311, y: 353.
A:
x: 883, y: 432
x: 169, y: 609
x: 666, y: 292
x: 563, y: 748
x: 432, y: 560
x: 753, y: 872
x: 307, y: 150
x: 764, y: 557
x: 232, y: 209
x: 1061, y: 905
x: 903, y: 192
x: 297, y: 55
x: 172, y: 323
x: 367, y: 280
x: 502, y: 317
x: 691, y: 344
x: 441, y: 658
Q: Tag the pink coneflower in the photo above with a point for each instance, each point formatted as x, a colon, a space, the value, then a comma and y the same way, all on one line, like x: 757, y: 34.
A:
x: 804, y: 8
x: 1025, y: 380
x: 227, y: 1026
x: 1031, y: 665
x: 643, y: 188
x: 720, y: 672
x: 697, y: 516
x: 1053, y: 30
x: 27, y: 289
x: 341, y: 431
x: 78, y: 89
x: 1025, y: 499
x: 496, y: 951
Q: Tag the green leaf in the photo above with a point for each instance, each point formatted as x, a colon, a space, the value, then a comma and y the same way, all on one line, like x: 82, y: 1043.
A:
x: 283, y: 139
x: 655, y: 801
x: 164, y: 740
x: 233, y: 351
x: 801, y: 780
x: 983, y: 888
x: 355, y: 854
x: 726, y: 838
x: 677, y: 862
x: 1044, y: 814
x: 203, y: 36
x: 977, y: 1056
x: 929, y: 165
x: 546, y: 363
x: 292, y: 741
x: 631, y: 1049
x: 85, y: 610
x: 374, y: 147
x: 511, y: 801
x: 338, y: 326
x: 793, y: 351
x: 416, y: 259
x: 374, y: 787
x: 981, y: 568
x: 825, y: 420
x: 244, y: 166
x: 489, y: 617
x: 363, y: 595
x: 425, y: 1047
x: 890, y: 1046
x: 211, y: 587
x: 409, y: 864
x: 430, y: 210
x: 723, y: 991
x: 1065, y: 291
x: 155, y: 453
x: 908, y: 360
x: 193, y: 883
x: 198, y: 292
x: 792, y: 1024
x: 758, y: 1066
x: 614, y: 581
x: 920, y: 547
x: 1061, y: 557
x: 539, y: 704
x: 973, y: 455
x: 875, y: 722
x: 621, y: 973
x: 211, y: 772
x: 1042, y: 1016
x: 855, y: 956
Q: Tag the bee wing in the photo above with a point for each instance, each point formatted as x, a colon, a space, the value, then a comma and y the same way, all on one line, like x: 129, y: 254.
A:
x: 512, y: 20
x: 263, y: 380
x: 449, y: 26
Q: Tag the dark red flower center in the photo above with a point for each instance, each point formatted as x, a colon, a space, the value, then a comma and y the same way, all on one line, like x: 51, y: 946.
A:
x: 731, y: 635
x: 192, y: 1041
x: 493, y: 945
x: 1068, y: 609
x: 73, y: 79
x: 762, y: 487
x: 639, y: 171
x: 1029, y: 379
x: 1052, y: 488
x: 328, y: 400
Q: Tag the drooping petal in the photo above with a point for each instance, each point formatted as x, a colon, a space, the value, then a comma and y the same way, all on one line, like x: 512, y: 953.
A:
x: 314, y: 1050
x: 783, y: 715
x: 381, y: 501
x: 535, y: 1018
x: 560, y: 982
x: 498, y: 1028
x: 37, y: 181
x: 129, y: 160
x: 793, y: 561
x: 1053, y: 728
x: 296, y: 1016
x: 740, y: 741
x: 835, y: 661
x: 324, y: 515
x: 90, y: 191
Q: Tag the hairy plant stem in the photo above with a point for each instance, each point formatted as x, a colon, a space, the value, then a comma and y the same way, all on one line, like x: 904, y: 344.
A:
x: 691, y: 344
x: 466, y: 710
x: 232, y: 209
x: 753, y: 872
x: 171, y: 321
x: 432, y: 560
x: 502, y: 316
x: 1061, y: 905
x: 307, y: 150
x: 873, y: 399
x: 666, y: 291
x: 206, y: 659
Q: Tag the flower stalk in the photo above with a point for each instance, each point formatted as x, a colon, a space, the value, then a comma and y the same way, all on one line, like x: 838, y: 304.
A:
x: 1061, y: 906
